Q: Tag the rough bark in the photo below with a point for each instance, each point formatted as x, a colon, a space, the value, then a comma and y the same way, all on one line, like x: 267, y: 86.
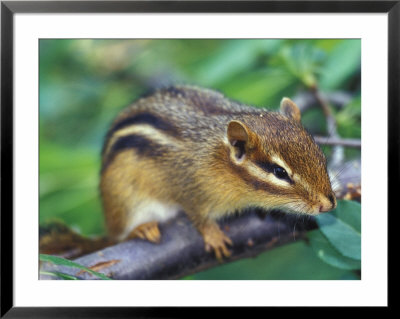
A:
x: 181, y: 250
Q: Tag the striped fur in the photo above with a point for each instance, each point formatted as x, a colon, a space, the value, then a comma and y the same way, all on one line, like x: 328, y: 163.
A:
x: 172, y: 149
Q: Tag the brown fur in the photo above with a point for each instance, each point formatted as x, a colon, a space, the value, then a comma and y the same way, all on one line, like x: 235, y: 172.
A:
x: 192, y: 163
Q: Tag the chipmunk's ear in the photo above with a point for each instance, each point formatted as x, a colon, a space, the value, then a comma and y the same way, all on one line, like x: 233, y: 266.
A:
x: 290, y: 109
x: 241, y: 137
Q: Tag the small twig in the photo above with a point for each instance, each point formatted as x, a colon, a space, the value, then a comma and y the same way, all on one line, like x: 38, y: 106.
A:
x: 347, y: 142
x: 306, y: 100
x: 338, y: 150
x: 331, y: 122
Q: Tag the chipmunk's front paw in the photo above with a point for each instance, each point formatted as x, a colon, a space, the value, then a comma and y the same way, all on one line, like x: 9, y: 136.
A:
x: 148, y: 231
x: 215, y: 239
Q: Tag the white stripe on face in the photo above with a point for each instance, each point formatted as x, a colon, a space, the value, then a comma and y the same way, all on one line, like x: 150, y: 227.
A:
x: 278, y: 161
x: 258, y: 173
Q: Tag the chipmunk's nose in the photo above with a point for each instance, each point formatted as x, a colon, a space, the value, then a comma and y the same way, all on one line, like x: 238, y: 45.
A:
x: 323, y: 209
x: 327, y: 203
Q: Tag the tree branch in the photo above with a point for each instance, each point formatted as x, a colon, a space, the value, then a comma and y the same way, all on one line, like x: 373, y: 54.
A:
x: 306, y: 100
x: 347, y: 142
x: 181, y: 251
x: 337, y: 156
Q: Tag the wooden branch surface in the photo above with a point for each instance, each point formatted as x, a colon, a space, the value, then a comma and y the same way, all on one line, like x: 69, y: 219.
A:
x: 181, y: 250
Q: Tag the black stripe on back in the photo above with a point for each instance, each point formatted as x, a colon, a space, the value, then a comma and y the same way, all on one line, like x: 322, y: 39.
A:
x: 141, y: 118
x: 142, y: 146
x: 145, y: 118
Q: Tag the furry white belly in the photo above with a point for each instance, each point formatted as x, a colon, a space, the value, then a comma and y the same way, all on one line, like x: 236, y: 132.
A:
x: 148, y: 211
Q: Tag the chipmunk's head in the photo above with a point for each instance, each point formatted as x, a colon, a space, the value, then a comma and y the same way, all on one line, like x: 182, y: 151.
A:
x: 280, y: 162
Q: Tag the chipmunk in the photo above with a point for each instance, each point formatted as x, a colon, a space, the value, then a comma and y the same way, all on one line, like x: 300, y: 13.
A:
x: 192, y: 149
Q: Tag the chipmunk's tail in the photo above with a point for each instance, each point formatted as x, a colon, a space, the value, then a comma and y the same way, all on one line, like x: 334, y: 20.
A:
x: 56, y: 238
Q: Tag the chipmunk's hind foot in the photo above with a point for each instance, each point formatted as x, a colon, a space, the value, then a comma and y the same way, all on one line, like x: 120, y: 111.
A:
x: 148, y: 231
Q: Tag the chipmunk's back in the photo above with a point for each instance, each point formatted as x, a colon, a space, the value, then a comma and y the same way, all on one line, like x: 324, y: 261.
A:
x: 179, y: 112
x: 193, y: 149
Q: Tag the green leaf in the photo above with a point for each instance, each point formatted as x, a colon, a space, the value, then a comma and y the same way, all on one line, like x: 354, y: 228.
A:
x: 349, y: 211
x: 65, y: 262
x: 294, y: 261
x: 349, y: 119
x: 234, y: 57
x: 343, y: 62
x: 59, y: 275
x: 350, y: 275
x: 342, y: 229
x: 329, y: 254
x: 260, y: 88
x: 303, y: 61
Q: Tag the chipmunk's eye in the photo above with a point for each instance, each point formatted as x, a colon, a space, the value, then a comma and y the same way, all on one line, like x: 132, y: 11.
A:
x: 280, y: 172
x: 275, y: 169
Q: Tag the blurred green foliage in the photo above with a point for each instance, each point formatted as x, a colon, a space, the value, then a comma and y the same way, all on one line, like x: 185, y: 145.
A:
x: 337, y: 241
x: 85, y: 83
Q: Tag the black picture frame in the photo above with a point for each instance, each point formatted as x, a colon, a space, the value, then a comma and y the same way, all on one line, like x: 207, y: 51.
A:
x: 9, y: 8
